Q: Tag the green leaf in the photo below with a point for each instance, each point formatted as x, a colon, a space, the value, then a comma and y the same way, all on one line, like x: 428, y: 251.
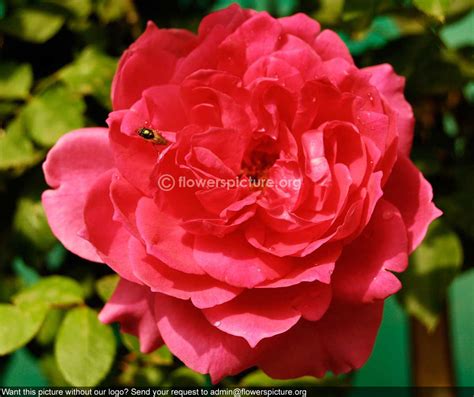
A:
x: 31, y: 223
x: 22, y: 370
x: 19, y: 324
x: 27, y: 274
x: 329, y: 11
x: 149, y: 376
x: 469, y: 92
x: 434, y: 8
x: 91, y: 74
x: 131, y: 342
x: 433, y: 266
x: 458, y: 206
x: 161, y: 356
x: 9, y: 285
x: 285, y: 7
x: 459, y: 34
x: 15, y: 80
x: 382, y: 30
x: 186, y: 377
x: 226, y: 3
x: 78, y: 8
x: 32, y: 24
x: 111, y: 10
x: 457, y: 7
x: 450, y: 125
x: 278, y: 7
x: 85, y: 348
x: 50, y: 368
x: 50, y: 327
x: 105, y: 286
x: 52, y: 114
x: 55, y: 291
x: 260, y: 379
x: 7, y: 109
x: 55, y: 257
x: 16, y: 149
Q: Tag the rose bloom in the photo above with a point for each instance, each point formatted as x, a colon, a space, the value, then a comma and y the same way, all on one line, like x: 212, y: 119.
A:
x: 289, y: 277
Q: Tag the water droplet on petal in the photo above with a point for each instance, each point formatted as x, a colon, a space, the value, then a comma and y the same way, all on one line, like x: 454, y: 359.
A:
x: 217, y: 323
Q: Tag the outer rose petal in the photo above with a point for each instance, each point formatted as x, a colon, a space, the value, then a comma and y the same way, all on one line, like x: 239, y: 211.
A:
x: 316, y: 267
x: 131, y: 305
x: 71, y: 167
x: 341, y: 341
x: 329, y: 45
x: 229, y: 18
x: 391, y: 86
x: 256, y: 37
x: 150, y: 61
x: 108, y: 236
x: 412, y: 194
x: 125, y: 147
x: 262, y: 313
x: 301, y: 25
x: 363, y: 271
x: 202, y: 290
x: 165, y: 238
x: 232, y: 260
x: 197, y: 343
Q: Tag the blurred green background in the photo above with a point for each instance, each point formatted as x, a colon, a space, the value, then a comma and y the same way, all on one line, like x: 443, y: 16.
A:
x: 57, y: 59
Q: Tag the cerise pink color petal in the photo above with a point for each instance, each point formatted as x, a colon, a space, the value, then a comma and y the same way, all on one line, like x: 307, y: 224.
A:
x: 253, y: 191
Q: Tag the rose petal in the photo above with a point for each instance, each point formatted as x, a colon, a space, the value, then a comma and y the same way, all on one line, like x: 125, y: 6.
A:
x: 202, y: 290
x: 230, y: 18
x: 131, y: 305
x: 363, y: 271
x: 150, y: 61
x: 71, y: 167
x: 202, y: 347
x: 300, y: 25
x: 262, y: 313
x: 412, y: 194
x: 165, y: 238
x: 341, y: 341
x: 256, y: 37
x: 391, y: 86
x: 318, y: 266
x: 329, y: 45
x: 108, y: 236
x: 232, y: 260
x: 125, y: 147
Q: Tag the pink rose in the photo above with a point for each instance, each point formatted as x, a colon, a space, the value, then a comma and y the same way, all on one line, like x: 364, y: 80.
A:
x: 288, y: 268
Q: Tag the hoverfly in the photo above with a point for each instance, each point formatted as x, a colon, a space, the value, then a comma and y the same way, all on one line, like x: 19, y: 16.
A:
x: 152, y: 135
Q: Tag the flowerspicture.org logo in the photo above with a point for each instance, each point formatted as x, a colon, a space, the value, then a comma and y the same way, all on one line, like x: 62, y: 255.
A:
x: 167, y: 182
